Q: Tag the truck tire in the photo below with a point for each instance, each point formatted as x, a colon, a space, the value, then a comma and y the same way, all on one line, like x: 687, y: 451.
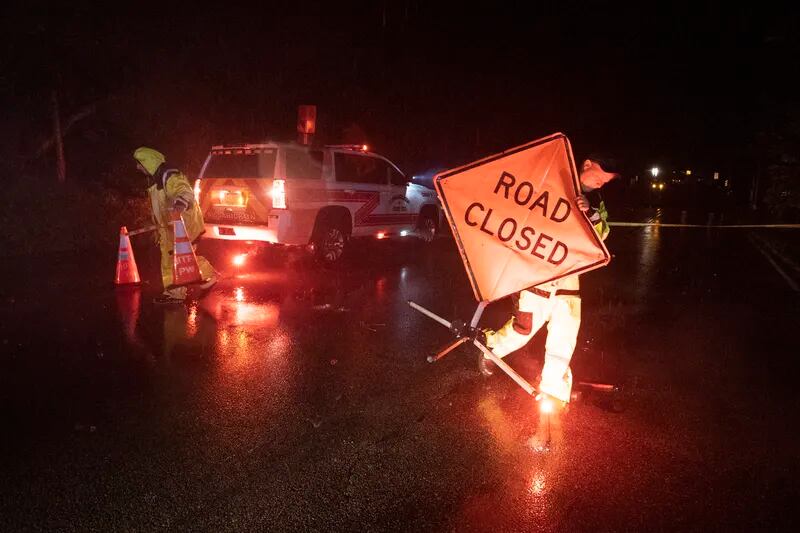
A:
x: 329, y: 239
x: 427, y: 226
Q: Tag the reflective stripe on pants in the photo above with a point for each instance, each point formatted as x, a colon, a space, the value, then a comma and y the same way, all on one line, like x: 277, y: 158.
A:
x: 563, y: 317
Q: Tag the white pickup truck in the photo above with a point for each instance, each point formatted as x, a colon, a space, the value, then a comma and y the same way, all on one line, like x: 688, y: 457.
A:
x: 317, y: 196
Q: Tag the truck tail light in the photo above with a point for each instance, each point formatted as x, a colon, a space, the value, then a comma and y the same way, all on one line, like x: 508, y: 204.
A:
x: 197, y: 190
x: 279, y: 194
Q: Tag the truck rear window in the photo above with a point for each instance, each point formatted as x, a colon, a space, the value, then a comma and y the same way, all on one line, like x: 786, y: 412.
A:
x: 261, y: 165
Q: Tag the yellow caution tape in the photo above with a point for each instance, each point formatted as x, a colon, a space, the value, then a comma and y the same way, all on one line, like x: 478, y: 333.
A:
x: 661, y: 225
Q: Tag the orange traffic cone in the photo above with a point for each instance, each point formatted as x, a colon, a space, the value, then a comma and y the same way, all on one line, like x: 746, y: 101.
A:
x: 127, y: 273
x: 185, y: 269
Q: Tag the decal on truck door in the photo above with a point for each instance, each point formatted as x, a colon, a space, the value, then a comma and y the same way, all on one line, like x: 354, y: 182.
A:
x: 364, y: 216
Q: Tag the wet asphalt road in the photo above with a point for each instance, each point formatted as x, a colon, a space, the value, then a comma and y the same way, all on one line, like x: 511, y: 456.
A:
x: 294, y: 398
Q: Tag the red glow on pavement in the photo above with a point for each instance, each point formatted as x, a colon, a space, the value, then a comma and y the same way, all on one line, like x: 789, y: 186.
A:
x: 191, y: 320
x: 237, y: 311
x: 537, y: 485
x: 546, y: 405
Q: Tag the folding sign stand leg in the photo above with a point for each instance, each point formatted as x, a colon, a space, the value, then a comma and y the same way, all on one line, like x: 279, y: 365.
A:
x: 456, y: 327
x: 470, y: 333
x: 449, y: 348
x: 615, y: 393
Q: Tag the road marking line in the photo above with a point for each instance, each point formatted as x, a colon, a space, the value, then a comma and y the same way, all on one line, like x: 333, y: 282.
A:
x: 777, y: 267
x: 737, y: 226
x: 777, y: 253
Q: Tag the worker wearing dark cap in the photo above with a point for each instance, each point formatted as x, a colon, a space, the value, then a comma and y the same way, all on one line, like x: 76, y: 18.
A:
x: 557, y: 302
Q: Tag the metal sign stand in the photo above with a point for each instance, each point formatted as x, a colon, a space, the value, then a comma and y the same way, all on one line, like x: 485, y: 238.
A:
x: 471, y: 334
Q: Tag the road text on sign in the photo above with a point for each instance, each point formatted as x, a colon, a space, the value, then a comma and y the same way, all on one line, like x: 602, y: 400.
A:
x: 515, y: 218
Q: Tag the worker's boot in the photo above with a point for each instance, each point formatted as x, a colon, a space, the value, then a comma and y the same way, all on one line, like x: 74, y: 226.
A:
x: 485, y: 365
x: 556, y: 378
x: 166, y: 299
x: 172, y: 296
x: 204, y: 288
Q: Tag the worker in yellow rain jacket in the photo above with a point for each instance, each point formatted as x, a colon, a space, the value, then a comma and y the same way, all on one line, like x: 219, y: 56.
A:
x: 169, y: 190
x: 558, y: 302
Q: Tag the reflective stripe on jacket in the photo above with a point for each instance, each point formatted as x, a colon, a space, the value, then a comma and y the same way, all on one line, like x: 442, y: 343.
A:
x: 171, y: 186
x: 599, y: 218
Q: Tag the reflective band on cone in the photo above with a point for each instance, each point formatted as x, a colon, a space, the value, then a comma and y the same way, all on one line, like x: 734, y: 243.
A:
x: 185, y: 269
x: 127, y: 272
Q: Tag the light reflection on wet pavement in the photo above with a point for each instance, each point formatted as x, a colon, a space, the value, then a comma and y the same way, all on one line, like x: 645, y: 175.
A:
x: 298, y: 398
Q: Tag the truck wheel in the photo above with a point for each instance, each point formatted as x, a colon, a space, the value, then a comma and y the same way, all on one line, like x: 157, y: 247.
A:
x: 330, y: 237
x: 426, y: 227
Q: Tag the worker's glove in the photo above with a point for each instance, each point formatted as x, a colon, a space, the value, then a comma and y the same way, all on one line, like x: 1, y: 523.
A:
x: 582, y: 203
x: 179, y: 206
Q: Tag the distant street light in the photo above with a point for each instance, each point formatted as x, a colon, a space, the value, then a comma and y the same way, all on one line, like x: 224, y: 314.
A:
x: 654, y: 172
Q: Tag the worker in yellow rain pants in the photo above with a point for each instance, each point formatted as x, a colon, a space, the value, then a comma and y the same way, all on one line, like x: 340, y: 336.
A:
x: 169, y: 190
x: 558, y: 303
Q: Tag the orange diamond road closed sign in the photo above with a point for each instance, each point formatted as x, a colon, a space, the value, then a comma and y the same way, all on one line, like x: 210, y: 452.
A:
x: 515, y: 219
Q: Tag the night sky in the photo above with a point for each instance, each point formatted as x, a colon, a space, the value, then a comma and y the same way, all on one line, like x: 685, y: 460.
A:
x: 684, y: 86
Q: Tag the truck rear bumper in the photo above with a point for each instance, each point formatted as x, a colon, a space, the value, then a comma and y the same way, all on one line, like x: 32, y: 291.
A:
x: 229, y: 232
